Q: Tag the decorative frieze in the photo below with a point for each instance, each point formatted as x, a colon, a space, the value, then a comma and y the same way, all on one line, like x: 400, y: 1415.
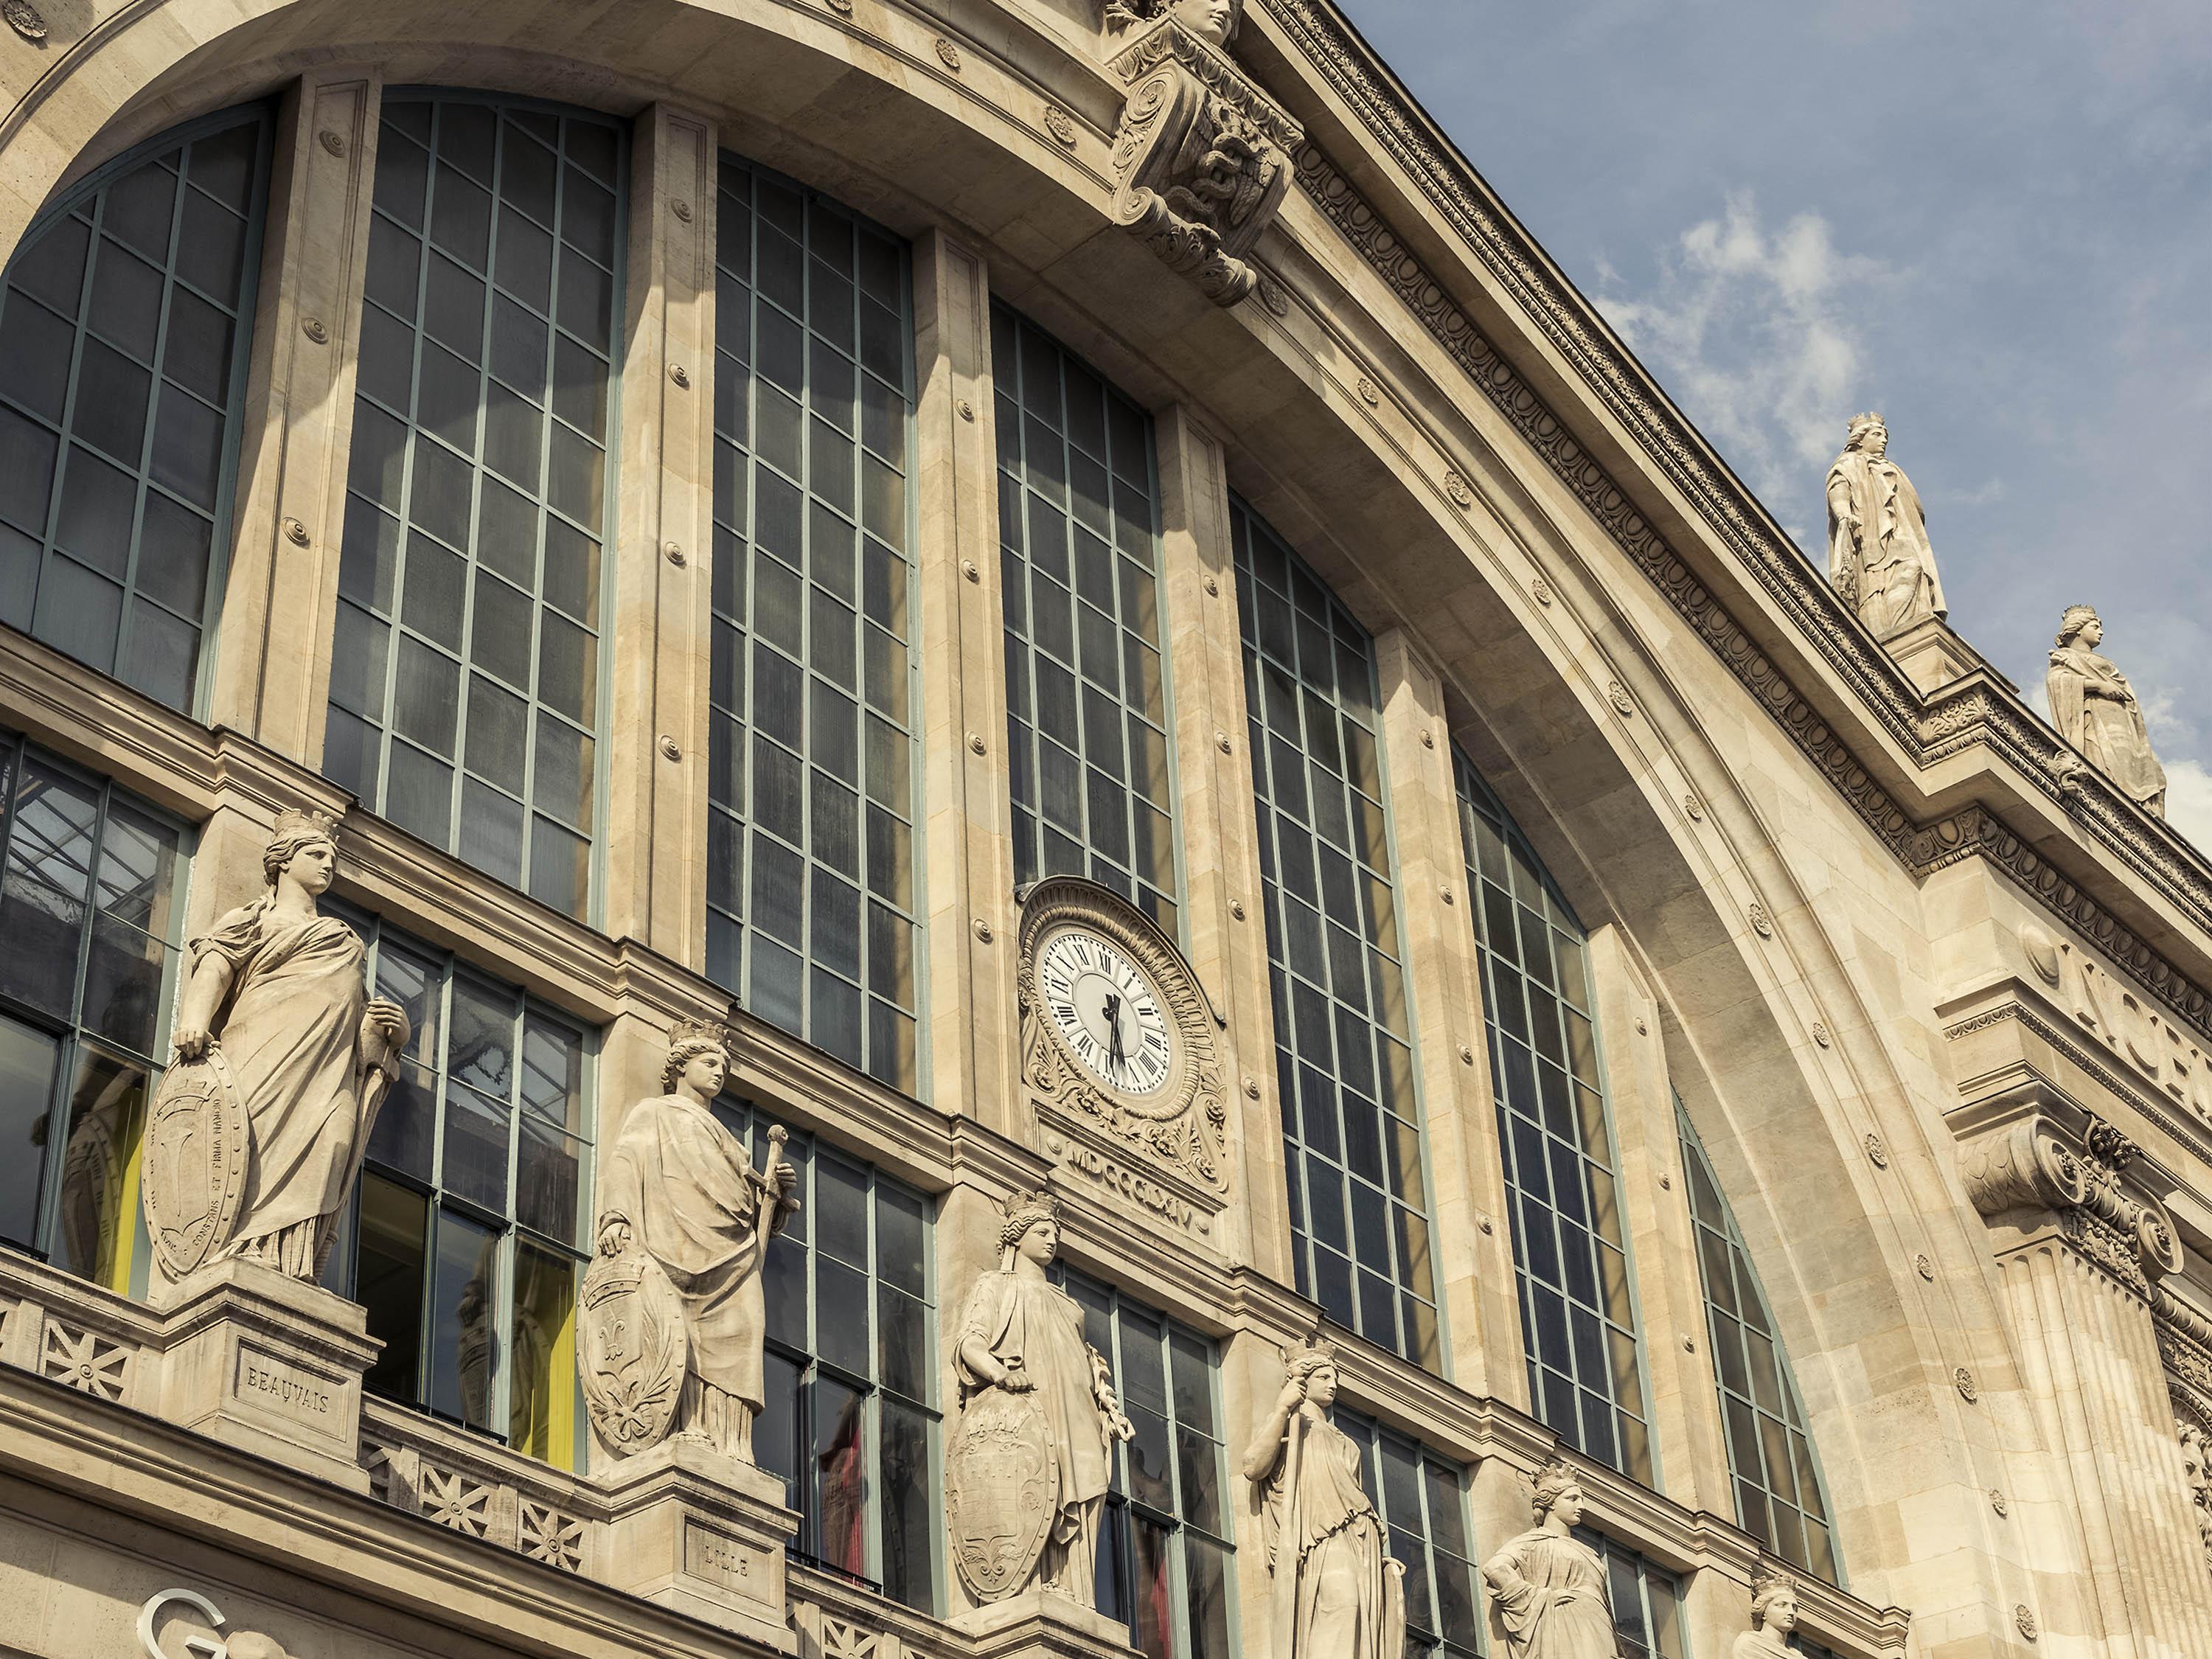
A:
x: 1202, y: 157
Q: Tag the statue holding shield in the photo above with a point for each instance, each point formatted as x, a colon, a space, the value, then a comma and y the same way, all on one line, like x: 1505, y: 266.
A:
x: 1031, y: 1457
x: 281, y: 1061
x: 674, y: 1316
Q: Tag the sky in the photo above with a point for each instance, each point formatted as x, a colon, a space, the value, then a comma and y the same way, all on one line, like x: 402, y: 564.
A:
x: 1990, y: 219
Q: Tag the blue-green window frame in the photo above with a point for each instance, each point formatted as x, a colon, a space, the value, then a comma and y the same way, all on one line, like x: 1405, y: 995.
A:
x: 1346, y: 1078
x: 1648, y: 1613
x: 858, y: 618
x: 1762, y: 1414
x: 1114, y: 604
x: 374, y: 709
x: 1572, y: 1262
x: 1422, y: 1498
x: 144, y: 469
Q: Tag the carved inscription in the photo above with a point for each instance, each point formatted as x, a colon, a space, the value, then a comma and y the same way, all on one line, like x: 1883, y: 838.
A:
x: 270, y: 1382
x: 2118, y: 1018
x: 721, y: 1558
x: 1125, y: 1182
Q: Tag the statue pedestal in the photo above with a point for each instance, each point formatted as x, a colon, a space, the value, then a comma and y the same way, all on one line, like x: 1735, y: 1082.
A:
x: 1932, y: 655
x: 691, y: 1528
x: 1042, y: 1624
x: 269, y: 1364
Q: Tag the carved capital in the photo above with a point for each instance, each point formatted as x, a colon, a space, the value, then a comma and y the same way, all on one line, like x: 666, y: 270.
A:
x: 2034, y: 1163
x: 1201, y: 158
x: 2023, y: 1166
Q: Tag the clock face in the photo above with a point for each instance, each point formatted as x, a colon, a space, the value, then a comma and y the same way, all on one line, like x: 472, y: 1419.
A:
x: 1106, y: 1012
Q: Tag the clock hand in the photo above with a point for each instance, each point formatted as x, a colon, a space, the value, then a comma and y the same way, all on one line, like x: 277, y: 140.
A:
x: 1112, y: 1012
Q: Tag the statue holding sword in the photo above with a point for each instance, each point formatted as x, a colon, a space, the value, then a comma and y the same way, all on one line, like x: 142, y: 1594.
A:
x: 674, y: 1317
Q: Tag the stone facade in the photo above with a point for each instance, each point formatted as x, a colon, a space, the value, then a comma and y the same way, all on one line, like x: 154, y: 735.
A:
x: 1932, y: 992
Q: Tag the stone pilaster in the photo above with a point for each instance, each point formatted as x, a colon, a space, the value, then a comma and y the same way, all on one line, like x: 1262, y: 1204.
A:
x: 2081, y: 1246
x: 1225, y: 936
x: 279, y: 607
x: 661, y: 637
x: 1469, y: 1217
x: 968, y: 877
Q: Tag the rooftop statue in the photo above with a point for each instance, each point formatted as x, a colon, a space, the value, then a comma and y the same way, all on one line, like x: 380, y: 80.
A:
x: 1213, y: 22
x: 1337, y: 1595
x: 1773, y: 1616
x: 675, y: 1318
x: 1032, y: 1457
x: 282, y: 1059
x: 2097, y: 711
x: 1548, y: 1586
x: 1878, y: 553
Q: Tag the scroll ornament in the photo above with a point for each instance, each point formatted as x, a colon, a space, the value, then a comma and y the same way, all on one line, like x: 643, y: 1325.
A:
x: 1202, y: 157
x: 2025, y: 1165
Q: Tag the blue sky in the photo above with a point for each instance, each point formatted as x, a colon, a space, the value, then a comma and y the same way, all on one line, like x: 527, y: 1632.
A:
x: 1991, y: 221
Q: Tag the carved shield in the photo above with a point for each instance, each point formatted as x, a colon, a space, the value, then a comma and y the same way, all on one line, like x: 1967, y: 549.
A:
x: 197, y: 1148
x: 631, y: 1350
x: 1001, y: 1479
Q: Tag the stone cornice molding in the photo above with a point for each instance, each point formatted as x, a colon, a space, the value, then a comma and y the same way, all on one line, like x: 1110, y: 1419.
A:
x: 1976, y: 712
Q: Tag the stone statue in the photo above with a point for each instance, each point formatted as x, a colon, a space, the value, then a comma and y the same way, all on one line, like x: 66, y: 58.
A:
x: 1548, y: 1586
x: 1878, y: 553
x: 1337, y: 1595
x: 1031, y: 1457
x: 2096, y: 710
x: 282, y: 1059
x: 2196, y: 1475
x: 675, y: 1315
x: 1773, y: 1616
x: 1213, y: 22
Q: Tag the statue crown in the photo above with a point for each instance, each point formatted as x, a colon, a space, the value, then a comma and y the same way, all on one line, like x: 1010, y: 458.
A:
x: 303, y: 821
x: 699, y: 1030
x: 1309, y: 1354
x: 1024, y: 1210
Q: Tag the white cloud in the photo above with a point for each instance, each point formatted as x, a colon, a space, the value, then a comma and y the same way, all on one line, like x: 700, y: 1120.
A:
x: 1757, y: 332
x: 2189, y: 800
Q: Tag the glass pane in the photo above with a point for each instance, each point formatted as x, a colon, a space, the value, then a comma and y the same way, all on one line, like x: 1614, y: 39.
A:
x: 29, y: 1060
x: 838, y: 1450
x: 909, y: 1529
x: 464, y: 1305
x: 390, y: 1277
x: 541, y: 1407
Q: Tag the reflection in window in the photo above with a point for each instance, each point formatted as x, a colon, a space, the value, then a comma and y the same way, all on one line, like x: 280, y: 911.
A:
x: 124, y: 330
x: 850, y: 1421
x: 1423, y: 1503
x: 812, y: 776
x: 1555, y: 1137
x: 1343, y: 1058
x: 466, y: 683
x: 1166, y: 1565
x: 468, y: 1236
x: 1086, y: 690
x: 1647, y: 1600
x: 1778, y: 1495
x: 89, y: 910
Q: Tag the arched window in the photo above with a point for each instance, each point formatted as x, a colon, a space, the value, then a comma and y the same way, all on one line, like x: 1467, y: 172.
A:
x: 1555, y: 1140
x: 466, y: 683
x: 812, y: 770
x: 125, y: 323
x: 1779, y: 1498
x: 1343, y: 1057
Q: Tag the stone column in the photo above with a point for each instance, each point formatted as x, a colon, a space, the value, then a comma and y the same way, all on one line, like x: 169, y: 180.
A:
x: 660, y: 643
x: 272, y: 642
x: 1469, y: 1220
x: 1225, y: 932
x: 968, y: 877
x: 2080, y: 1248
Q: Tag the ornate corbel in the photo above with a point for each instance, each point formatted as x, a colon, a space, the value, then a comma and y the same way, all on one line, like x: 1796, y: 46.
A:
x: 1202, y: 159
x: 2033, y: 1164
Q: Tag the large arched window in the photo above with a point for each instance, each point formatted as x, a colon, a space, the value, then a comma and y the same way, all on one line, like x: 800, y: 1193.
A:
x: 465, y: 684
x: 1779, y: 1499
x: 1555, y: 1138
x: 123, y: 327
x: 812, y: 771
x: 1343, y: 1057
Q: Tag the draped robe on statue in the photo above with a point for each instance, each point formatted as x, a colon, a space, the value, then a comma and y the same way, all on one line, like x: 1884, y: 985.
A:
x: 2095, y: 709
x: 1032, y: 1323
x: 692, y: 1199
x: 1348, y: 1604
x: 1890, y: 575
x: 291, y: 1035
x: 1550, y: 1593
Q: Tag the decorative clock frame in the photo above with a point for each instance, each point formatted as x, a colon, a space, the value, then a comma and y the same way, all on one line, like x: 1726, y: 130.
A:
x: 1178, y: 1132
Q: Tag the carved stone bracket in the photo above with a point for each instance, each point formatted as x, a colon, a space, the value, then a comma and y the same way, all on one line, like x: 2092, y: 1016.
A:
x: 1201, y: 158
x: 2031, y: 1162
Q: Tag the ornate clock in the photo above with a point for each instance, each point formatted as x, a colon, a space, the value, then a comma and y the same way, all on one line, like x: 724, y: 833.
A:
x: 1119, y: 1044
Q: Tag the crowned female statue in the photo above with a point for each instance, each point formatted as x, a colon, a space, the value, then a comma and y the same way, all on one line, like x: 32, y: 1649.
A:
x: 680, y: 1190
x: 276, y: 1025
x: 1548, y: 1586
x: 1031, y: 1457
x: 1879, y: 558
x: 1773, y: 1616
x: 1337, y: 1595
x: 2096, y: 710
